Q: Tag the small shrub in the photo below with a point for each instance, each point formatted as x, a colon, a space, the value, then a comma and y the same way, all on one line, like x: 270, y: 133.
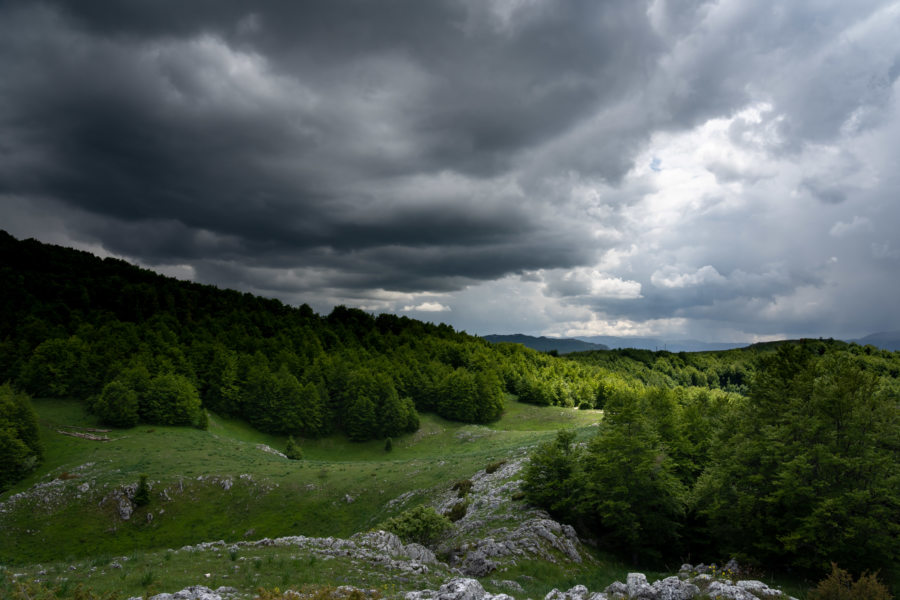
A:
x: 839, y: 585
x: 462, y: 487
x: 147, y: 579
x: 585, y: 406
x: 457, y: 511
x: 388, y: 445
x: 142, y: 495
x: 492, y: 468
x: 293, y: 450
x: 422, y: 525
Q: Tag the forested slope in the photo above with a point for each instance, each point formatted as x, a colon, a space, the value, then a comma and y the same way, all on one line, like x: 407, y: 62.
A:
x: 781, y: 453
x: 140, y: 347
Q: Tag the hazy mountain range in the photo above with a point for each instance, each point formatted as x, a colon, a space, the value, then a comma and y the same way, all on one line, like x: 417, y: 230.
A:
x: 546, y: 344
x: 887, y: 340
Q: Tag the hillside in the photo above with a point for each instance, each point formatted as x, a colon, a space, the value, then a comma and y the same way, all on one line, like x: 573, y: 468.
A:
x: 546, y: 344
x: 120, y: 376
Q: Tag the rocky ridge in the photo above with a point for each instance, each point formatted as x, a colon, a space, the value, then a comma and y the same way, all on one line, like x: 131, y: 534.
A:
x: 681, y: 587
x: 503, y: 529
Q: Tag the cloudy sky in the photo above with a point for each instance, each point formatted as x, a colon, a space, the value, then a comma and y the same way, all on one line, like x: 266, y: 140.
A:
x: 722, y: 170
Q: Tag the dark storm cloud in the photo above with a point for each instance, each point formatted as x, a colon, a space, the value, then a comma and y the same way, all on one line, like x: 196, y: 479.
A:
x: 282, y: 129
x: 351, y: 150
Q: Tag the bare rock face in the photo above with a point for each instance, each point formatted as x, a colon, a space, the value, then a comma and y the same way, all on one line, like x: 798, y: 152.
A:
x: 490, y: 500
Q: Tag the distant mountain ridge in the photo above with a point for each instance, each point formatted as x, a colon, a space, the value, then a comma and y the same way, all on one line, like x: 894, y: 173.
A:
x: 653, y: 343
x: 886, y: 340
x: 546, y: 344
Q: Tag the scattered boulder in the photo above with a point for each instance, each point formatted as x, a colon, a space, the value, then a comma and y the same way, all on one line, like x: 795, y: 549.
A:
x: 673, y: 588
x: 579, y: 592
x: 459, y: 588
x: 197, y: 592
x: 638, y: 587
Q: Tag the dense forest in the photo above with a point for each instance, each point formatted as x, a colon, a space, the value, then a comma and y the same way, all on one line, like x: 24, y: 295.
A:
x: 780, y: 453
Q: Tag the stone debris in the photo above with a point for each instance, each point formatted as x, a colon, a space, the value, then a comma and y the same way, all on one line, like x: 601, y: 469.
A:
x: 636, y: 586
x: 85, y: 436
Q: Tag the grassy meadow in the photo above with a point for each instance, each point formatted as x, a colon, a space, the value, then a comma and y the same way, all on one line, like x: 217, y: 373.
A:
x: 68, y: 538
x: 339, y: 488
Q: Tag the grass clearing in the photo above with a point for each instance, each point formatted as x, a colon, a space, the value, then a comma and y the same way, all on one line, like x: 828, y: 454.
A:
x: 66, y: 537
x: 338, y: 489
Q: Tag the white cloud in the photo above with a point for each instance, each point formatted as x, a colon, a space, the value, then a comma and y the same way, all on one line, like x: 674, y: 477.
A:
x: 427, y: 307
x: 670, y: 277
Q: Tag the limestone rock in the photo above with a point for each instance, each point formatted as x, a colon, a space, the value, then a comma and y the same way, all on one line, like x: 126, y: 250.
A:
x: 673, y: 588
x: 616, y: 589
x: 459, y: 588
x: 728, y: 591
x: 638, y: 587
x: 196, y: 592
x: 579, y: 592
x: 759, y: 589
x: 478, y: 564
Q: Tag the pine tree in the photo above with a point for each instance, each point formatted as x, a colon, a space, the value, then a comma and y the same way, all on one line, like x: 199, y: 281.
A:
x: 142, y: 494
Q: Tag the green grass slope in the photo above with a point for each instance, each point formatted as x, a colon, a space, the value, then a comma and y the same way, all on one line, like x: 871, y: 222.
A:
x: 222, y: 484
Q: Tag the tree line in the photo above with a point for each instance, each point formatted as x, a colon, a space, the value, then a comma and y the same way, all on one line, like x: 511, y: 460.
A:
x: 801, y: 471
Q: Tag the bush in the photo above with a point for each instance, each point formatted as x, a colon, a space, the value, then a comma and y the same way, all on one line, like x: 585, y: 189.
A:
x: 457, y: 511
x: 118, y: 405
x: 422, y: 525
x: 388, y: 445
x: 293, y: 450
x: 492, y: 468
x: 839, y: 585
x: 462, y: 487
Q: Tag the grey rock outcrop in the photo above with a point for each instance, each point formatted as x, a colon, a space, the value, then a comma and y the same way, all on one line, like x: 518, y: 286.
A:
x: 579, y: 592
x: 196, y: 592
x: 490, y: 500
x: 673, y: 588
x: 459, y: 588
x: 463, y: 588
x: 378, y: 548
